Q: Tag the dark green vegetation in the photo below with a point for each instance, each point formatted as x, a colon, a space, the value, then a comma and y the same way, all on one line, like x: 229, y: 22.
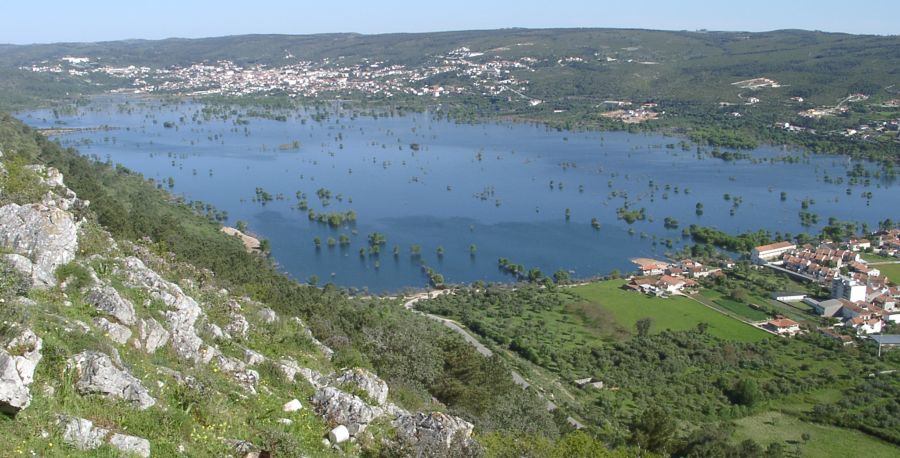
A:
x: 688, y: 75
x: 694, y: 389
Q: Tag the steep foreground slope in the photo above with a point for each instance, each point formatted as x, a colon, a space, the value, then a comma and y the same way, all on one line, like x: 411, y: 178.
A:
x: 104, y: 353
x: 131, y: 326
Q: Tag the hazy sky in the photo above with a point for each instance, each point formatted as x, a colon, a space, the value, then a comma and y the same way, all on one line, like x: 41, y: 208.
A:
x: 42, y: 21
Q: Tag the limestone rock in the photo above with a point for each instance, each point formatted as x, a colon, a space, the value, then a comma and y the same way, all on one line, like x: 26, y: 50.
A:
x: 17, y: 364
x: 217, y: 332
x: 433, y: 433
x: 107, y: 300
x: 95, y: 373
x: 47, y: 236
x: 345, y: 409
x: 131, y: 445
x: 115, y: 331
x: 246, y: 378
x: 238, y: 326
x: 375, y: 388
x: 292, y: 406
x: 267, y: 315
x: 253, y: 358
x: 81, y: 433
x: 151, y: 335
x: 183, y: 315
x: 338, y: 434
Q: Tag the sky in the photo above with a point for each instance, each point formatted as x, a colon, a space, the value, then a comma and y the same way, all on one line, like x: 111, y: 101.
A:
x: 48, y: 21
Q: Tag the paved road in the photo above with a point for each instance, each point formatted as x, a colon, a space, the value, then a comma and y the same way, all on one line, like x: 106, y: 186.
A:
x: 456, y: 327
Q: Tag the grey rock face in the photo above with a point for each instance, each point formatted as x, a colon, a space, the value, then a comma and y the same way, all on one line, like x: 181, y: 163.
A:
x: 433, y: 433
x: 95, y: 373
x: 183, y: 314
x: 344, y: 409
x: 131, y: 445
x: 47, y: 236
x: 115, y: 331
x: 107, y: 300
x: 375, y: 388
x: 81, y: 433
x: 17, y: 364
x: 151, y: 335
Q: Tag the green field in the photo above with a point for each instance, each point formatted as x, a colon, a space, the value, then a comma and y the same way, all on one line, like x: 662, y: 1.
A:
x: 824, y: 440
x: 676, y: 313
x: 891, y: 271
x: 734, y: 306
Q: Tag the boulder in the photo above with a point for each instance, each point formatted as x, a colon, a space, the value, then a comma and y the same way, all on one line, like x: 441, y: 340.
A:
x: 342, y: 408
x: 246, y: 378
x: 47, y: 236
x: 17, y: 364
x: 151, y: 335
x: 107, y: 300
x: 131, y: 445
x: 338, y: 434
x: 95, y: 373
x: 115, y: 331
x: 375, y: 388
x: 433, y: 433
x: 292, y: 406
x: 81, y: 433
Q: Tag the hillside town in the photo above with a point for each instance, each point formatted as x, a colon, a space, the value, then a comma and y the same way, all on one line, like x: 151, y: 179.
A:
x: 301, y: 78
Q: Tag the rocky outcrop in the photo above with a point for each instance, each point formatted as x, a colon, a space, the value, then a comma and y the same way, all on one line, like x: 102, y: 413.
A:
x: 83, y: 435
x: 95, y: 373
x: 238, y: 326
x: 17, y: 364
x: 325, y: 349
x: 183, y: 314
x: 107, y: 300
x: 433, y: 434
x: 267, y: 315
x: 151, y: 335
x: 45, y: 236
x: 343, y: 408
x: 115, y: 331
x: 374, y: 388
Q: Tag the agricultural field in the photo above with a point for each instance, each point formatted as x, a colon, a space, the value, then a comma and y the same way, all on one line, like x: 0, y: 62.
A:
x: 822, y: 440
x: 733, y: 306
x: 675, y: 313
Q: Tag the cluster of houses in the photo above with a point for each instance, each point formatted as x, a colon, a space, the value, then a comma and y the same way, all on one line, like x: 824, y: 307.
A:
x: 660, y: 278
x: 862, y: 299
x: 483, y: 74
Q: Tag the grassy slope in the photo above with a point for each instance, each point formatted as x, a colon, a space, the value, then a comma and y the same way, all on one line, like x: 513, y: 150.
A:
x: 674, y: 313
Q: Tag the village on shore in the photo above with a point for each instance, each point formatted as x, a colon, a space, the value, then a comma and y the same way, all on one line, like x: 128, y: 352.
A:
x: 862, y: 302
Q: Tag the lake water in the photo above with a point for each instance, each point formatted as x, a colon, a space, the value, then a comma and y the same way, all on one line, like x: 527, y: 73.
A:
x: 503, y: 187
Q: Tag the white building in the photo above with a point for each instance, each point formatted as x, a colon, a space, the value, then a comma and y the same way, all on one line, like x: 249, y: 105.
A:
x: 852, y: 290
x: 765, y: 253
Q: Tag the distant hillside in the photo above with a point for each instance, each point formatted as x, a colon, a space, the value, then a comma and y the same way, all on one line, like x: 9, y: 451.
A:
x: 696, y: 81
